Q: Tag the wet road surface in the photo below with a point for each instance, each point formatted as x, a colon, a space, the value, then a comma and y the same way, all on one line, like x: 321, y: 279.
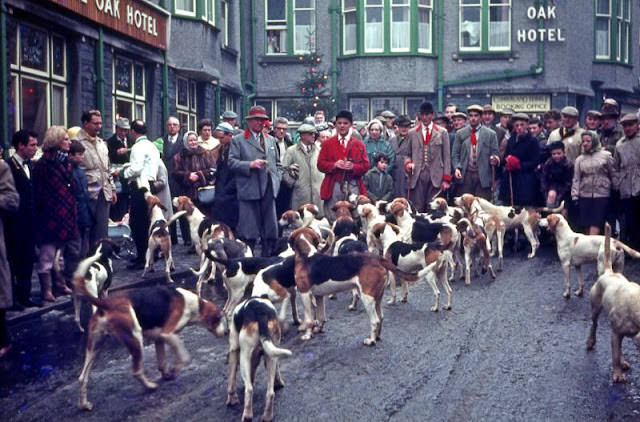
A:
x: 511, y: 349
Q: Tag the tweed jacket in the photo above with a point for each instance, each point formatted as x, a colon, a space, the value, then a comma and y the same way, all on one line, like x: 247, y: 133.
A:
x: 626, y: 166
x: 572, y: 142
x: 9, y: 200
x: 401, y: 150
x: 486, y: 147
x: 439, y: 153
x: 592, y: 175
x: 252, y: 183
x: 96, y: 166
x: 305, y: 187
x: 331, y: 152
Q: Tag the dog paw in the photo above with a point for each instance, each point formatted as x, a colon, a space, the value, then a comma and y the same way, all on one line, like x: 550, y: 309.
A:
x: 369, y: 342
x: 434, y: 308
x: 391, y: 301
x: 247, y: 418
x: 625, y: 365
x: 619, y: 377
x: 232, y: 399
x: 467, y: 282
x: 578, y: 292
x: 332, y: 296
x: 351, y: 307
x: 566, y: 294
x: 590, y: 343
x: 447, y: 307
x: 85, y: 405
x: 404, y: 299
x: 306, y: 337
x: 150, y: 385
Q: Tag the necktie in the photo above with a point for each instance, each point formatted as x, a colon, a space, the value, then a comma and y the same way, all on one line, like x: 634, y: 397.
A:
x: 474, y: 140
x: 262, y: 141
x: 427, y: 136
x: 343, y: 142
x: 27, y: 169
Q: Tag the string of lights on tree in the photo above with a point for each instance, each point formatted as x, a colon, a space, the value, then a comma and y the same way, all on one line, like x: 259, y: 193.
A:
x: 313, y: 87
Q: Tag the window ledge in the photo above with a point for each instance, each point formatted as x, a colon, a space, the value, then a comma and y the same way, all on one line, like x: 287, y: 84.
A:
x: 229, y: 51
x: 278, y: 59
x: 485, y: 55
x: 395, y: 54
x: 615, y: 62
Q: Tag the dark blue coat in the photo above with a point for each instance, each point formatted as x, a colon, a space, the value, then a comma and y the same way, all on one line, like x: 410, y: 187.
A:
x: 81, y: 194
x: 525, y: 181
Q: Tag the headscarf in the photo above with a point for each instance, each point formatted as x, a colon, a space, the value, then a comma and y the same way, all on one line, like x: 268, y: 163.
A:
x: 595, y: 142
x: 185, y: 139
x: 379, y: 123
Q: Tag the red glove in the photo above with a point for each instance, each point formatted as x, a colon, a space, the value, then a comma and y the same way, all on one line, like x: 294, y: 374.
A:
x: 513, y: 163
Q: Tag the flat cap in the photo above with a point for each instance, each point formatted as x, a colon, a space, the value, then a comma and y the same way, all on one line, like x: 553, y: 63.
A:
x: 459, y: 114
x: 388, y: 114
x: 225, y: 127
x: 476, y: 108
x: 306, y: 128
x: 520, y: 116
x: 123, y: 123
x: 629, y: 118
x: 403, y: 121
x: 594, y: 113
x: 229, y: 114
x: 488, y: 107
x: 610, y: 101
x: 570, y: 111
x: 609, y: 110
x: 506, y: 111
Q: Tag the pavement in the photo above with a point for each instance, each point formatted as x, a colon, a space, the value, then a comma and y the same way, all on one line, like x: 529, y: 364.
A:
x: 122, y: 279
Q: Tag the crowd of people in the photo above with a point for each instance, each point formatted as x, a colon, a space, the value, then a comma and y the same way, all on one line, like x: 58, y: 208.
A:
x: 58, y: 193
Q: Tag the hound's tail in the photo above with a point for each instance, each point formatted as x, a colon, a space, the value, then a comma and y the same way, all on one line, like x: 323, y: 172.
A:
x: 607, y: 248
x: 388, y: 265
x: 631, y: 252
x: 265, y: 339
x: 78, y: 275
x: 174, y: 217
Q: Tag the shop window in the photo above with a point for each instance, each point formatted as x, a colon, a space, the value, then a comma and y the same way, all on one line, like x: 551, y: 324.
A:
x: 129, y: 93
x: 38, y: 78
x: 300, y: 21
x: 186, y: 103
x: 485, y: 25
x: 613, y: 30
x: 387, y: 26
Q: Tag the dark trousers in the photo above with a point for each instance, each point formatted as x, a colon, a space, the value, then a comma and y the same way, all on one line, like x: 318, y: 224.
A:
x: 100, y: 209
x: 4, y: 333
x: 139, y: 221
x: 631, y: 228
x: 184, y: 230
x: 120, y: 208
x: 471, y: 184
x: 21, y: 256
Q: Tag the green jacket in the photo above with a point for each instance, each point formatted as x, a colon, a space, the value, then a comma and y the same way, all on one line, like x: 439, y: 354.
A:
x: 376, y: 192
x: 381, y: 145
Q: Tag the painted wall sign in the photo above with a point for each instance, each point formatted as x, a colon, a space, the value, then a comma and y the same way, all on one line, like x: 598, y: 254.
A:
x: 546, y: 34
x: 535, y: 103
x: 130, y: 17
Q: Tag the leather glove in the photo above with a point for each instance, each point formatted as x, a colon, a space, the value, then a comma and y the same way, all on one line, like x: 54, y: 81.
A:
x: 293, y: 170
x: 513, y: 163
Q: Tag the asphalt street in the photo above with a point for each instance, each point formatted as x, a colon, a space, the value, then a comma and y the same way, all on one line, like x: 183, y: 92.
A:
x: 510, y: 349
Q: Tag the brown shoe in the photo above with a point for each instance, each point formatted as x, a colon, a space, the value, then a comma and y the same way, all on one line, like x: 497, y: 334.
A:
x: 45, y: 287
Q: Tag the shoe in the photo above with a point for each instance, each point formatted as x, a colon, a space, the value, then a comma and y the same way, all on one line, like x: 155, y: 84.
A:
x: 136, y: 265
x: 5, y: 351
x: 30, y: 304
x: 45, y: 287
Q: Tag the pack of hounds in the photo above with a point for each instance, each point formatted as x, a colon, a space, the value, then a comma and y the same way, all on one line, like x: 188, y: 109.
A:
x: 369, y: 247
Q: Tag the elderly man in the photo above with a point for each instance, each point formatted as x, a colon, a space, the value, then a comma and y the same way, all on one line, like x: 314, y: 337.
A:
x: 225, y: 203
x: 626, y: 180
x: 475, y: 150
x: 569, y: 133
x: 283, y: 141
x: 231, y: 118
x: 102, y: 192
x: 302, y: 175
x: 400, y: 145
x: 119, y: 145
x: 387, y: 131
x: 253, y: 160
x: 141, y: 173
x: 429, y: 162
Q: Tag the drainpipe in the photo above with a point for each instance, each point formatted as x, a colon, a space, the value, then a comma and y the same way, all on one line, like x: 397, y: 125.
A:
x: 100, y: 73
x: 537, y: 69
x: 248, y: 86
x: 439, y: 70
x: 4, y: 110
x: 165, y: 87
x: 334, y: 12
x: 216, y: 102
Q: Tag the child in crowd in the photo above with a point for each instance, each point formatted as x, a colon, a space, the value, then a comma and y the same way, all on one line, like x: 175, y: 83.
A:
x: 81, y: 194
x: 379, y: 184
x: 557, y: 175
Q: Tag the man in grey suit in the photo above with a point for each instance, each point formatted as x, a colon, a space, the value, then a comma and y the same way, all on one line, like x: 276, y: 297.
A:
x: 171, y: 146
x: 475, y: 150
x: 254, y: 161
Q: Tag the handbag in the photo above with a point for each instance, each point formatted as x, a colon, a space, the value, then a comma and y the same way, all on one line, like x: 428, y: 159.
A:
x: 206, y: 194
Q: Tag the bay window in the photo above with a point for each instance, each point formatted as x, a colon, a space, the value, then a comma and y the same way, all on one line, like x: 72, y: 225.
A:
x: 485, y: 25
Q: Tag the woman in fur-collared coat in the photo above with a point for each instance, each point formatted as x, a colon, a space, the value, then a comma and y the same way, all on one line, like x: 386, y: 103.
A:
x: 9, y: 201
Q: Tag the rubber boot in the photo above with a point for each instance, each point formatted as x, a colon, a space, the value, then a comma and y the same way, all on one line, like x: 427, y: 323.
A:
x: 59, y: 286
x: 45, y: 287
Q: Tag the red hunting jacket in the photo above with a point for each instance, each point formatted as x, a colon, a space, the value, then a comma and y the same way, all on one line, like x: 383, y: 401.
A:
x: 331, y: 152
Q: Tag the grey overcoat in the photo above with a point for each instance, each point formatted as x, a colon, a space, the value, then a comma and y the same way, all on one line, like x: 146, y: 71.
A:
x: 9, y: 202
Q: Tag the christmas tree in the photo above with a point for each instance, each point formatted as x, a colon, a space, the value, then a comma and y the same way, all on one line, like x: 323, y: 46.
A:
x: 313, y: 87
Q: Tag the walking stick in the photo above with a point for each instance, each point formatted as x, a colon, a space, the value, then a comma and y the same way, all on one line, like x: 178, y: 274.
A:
x: 493, y: 183
x: 511, y: 188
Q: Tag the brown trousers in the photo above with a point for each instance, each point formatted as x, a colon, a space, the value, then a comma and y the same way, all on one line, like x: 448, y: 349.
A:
x: 424, y: 191
x: 471, y: 184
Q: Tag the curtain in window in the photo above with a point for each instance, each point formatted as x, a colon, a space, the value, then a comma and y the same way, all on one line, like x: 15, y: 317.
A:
x: 374, y: 30
x: 186, y: 5
x: 400, y: 28
x: 499, y: 27
x: 304, y: 31
x: 350, y: 39
x: 424, y: 29
x: 602, y: 37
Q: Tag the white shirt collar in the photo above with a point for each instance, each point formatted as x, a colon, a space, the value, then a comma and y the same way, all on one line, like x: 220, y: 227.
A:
x: 19, y: 159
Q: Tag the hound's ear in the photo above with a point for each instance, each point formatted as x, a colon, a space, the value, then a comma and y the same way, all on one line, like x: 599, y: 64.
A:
x: 351, y: 207
x: 301, y: 211
x: 334, y: 208
x: 394, y: 227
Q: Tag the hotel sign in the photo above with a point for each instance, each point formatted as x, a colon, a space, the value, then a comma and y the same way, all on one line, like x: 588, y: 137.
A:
x: 545, y: 34
x: 536, y: 103
x: 133, y: 18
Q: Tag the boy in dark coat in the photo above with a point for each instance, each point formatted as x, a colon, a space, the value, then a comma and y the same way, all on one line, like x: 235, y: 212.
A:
x: 557, y: 175
x: 81, y: 194
x: 379, y: 184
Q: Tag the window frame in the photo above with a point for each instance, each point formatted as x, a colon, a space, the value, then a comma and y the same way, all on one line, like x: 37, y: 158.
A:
x: 619, y: 32
x: 384, y: 23
x: 224, y: 17
x: 190, y: 110
x: 132, y: 97
x: 312, y: 9
x: 19, y: 72
x: 387, y: 6
x: 183, y: 12
x: 288, y: 25
x: 609, y: 29
x: 485, y: 23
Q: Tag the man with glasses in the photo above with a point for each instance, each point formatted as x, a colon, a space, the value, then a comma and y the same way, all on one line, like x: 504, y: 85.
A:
x: 253, y: 159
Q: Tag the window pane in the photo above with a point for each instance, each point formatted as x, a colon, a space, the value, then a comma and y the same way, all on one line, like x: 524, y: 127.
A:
x: 400, y: 31
x: 350, y: 31
x: 499, y: 26
x: 183, y: 92
x: 305, y: 31
x: 378, y: 105
x: 602, y: 37
x: 192, y: 96
x: 304, y: 4
x: 12, y: 41
x: 140, y: 111
x: 186, y: 5
x: 57, y: 105
x: 360, y: 109
x: 373, y: 32
x: 276, y: 41
x: 57, y: 65
x: 470, y: 27
x: 424, y: 29
x: 374, y: 2
x: 424, y: 3
x: 14, y: 104
x: 124, y: 109
x: 192, y: 122
x: 184, y: 120
x: 276, y: 10
x: 33, y: 48
x: 602, y: 7
x: 627, y: 9
x: 288, y: 109
x: 268, y: 105
x: 619, y: 8
x: 123, y: 75
x: 34, y: 105
x: 139, y: 79
x: 349, y: 4
x: 413, y: 106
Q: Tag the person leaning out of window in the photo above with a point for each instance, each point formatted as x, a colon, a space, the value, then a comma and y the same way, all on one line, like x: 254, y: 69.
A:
x: 591, y: 185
